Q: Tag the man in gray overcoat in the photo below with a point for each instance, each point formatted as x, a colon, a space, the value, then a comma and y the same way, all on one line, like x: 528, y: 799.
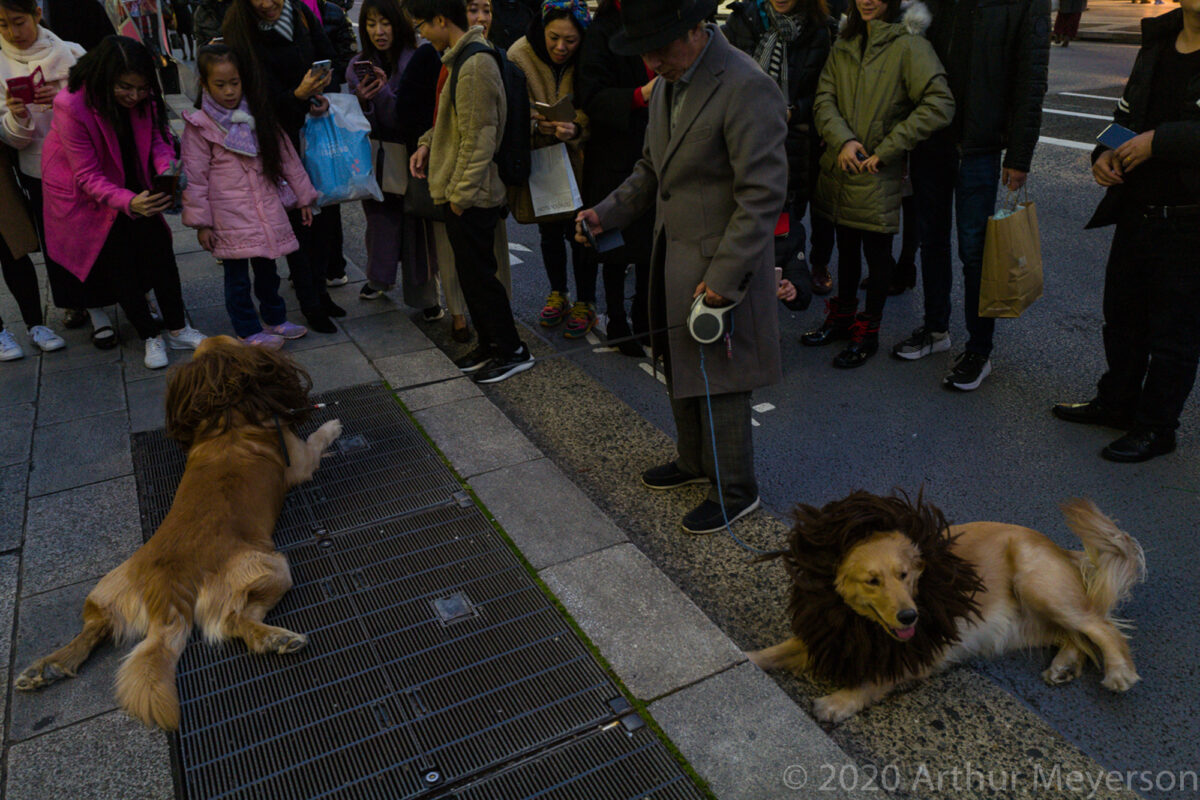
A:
x: 715, y: 170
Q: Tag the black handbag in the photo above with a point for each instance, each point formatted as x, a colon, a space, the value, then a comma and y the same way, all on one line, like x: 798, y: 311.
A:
x: 418, y: 202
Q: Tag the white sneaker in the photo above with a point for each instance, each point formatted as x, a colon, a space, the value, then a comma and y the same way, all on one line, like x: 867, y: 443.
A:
x: 46, y: 339
x: 187, y: 339
x: 10, y: 350
x: 156, y: 353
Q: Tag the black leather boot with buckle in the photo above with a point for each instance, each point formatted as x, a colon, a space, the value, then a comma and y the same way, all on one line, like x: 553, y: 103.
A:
x: 839, y: 315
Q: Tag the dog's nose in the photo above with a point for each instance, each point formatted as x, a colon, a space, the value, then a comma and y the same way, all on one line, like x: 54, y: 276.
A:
x: 907, y: 617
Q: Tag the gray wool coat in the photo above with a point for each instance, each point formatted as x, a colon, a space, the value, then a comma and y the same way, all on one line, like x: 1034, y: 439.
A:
x: 717, y: 184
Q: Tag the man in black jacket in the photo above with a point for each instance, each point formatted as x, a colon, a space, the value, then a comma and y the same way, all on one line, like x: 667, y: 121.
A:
x: 1152, y: 287
x: 996, y: 56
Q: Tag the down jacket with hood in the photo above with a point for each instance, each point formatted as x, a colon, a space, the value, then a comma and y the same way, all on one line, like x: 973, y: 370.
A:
x: 229, y: 192
x: 889, y: 96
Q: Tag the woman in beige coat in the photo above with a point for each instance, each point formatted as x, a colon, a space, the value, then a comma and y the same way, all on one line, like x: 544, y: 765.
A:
x: 547, y: 54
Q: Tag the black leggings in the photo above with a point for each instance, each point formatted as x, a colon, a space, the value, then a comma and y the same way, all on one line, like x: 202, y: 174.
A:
x: 852, y: 245
x: 22, y: 280
x: 555, y: 236
x: 138, y: 255
x: 614, y: 298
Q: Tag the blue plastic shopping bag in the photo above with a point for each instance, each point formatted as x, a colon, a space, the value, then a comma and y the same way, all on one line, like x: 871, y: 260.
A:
x: 337, y: 153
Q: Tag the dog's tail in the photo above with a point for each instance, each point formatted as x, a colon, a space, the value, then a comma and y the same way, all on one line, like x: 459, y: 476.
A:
x: 146, y: 679
x: 1115, y: 561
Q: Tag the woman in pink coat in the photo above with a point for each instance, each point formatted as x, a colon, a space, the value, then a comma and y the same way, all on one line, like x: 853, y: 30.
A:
x: 242, y: 175
x: 107, y: 142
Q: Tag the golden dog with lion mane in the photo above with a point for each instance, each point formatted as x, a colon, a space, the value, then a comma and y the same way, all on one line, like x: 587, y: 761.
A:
x: 212, y: 561
x: 885, y: 591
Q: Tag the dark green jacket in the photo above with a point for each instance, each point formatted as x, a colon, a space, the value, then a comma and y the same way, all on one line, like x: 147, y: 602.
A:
x: 890, y: 97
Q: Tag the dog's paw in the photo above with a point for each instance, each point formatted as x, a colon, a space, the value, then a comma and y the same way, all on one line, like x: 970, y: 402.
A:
x: 332, y: 429
x: 284, y: 642
x: 40, y: 675
x: 1059, y: 674
x: 1120, y: 679
x: 836, y: 707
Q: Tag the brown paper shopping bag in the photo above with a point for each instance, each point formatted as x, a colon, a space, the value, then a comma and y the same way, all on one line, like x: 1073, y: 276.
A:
x: 1012, y: 263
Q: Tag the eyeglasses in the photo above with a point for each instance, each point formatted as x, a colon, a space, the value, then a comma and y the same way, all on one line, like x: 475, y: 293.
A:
x: 417, y: 27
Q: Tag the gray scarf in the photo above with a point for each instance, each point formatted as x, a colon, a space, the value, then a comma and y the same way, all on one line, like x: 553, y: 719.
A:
x: 284, y: 25
x: 771, y: 53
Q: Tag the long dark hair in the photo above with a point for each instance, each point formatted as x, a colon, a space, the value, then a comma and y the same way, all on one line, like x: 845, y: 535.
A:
x: 29, y: 7
x: 855, y: 26
x: 266, y: 123
x: 98, y: 71
x: 403, y: 34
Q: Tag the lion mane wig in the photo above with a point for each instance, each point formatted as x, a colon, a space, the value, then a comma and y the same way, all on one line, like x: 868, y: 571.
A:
x: 844, y: 647
x: 227, y: 384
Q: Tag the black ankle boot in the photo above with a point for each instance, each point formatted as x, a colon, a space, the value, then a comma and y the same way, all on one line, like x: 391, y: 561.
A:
x: 319, y: 321
x: 904, y: 277
x: 331, y: 308
x: 839, y: 315
x: 864, y: 343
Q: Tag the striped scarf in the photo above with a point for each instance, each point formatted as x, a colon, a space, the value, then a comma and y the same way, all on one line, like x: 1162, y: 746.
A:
x: 283, y: 25
x: 771, y: 53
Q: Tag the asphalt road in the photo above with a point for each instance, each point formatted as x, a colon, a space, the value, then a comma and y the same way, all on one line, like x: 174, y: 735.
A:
x: 993, y: 454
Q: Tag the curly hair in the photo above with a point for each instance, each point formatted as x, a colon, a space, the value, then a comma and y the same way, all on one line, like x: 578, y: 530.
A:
x: 227, y: 384
x: 843, y: 646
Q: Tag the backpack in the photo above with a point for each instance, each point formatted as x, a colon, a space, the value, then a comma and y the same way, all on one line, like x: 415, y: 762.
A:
x: 513, y: 159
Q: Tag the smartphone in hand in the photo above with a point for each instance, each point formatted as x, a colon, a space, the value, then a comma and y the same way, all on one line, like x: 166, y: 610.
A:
x: 364, y: 70
x: 323, y: 67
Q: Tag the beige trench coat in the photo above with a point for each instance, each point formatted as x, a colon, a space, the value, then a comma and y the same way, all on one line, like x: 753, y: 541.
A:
x: 717, y: 184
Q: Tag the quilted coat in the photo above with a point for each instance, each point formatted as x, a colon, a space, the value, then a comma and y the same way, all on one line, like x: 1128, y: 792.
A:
x: 229, y: 193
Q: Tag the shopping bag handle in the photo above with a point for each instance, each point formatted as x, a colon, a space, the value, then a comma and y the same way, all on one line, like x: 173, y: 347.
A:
x: 1013, y: 198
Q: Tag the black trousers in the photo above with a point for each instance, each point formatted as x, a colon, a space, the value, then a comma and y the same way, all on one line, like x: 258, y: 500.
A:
x: 557, y: 239
x: 852, y: 245
x: 22, y: 280
x: 472, y: 238
x: 614, y: 298
x: 138, y: 255
x: 307, y: 264
x: 1152, y: 319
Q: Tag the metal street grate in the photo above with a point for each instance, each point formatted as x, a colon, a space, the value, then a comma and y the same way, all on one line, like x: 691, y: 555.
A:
x: 435, y: 667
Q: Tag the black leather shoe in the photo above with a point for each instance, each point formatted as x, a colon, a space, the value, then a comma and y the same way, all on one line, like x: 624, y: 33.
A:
x: 331, y: 308
x: 669, y: 476
x: 319, y: 321
x: 708, y: 517
x: 1140, y: 445
x: 1093, y: 412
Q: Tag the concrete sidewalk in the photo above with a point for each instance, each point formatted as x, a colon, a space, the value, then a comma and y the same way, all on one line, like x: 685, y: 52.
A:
x: 69, y: 513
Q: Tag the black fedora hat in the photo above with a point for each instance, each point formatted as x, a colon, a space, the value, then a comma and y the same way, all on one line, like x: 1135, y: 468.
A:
x: 650, y: 24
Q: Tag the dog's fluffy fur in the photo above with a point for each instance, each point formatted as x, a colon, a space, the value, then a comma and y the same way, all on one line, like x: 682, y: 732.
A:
x: 212, y: 561
x: 884, y: 592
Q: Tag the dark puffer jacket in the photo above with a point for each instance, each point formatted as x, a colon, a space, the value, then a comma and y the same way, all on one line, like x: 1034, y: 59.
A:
x: 1177, y: 142
x: 997, y: 55
x: 340, y: 33
x: 805, y: 59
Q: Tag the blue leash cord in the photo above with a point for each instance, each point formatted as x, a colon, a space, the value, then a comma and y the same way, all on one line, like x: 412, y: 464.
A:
x: 712, y: 431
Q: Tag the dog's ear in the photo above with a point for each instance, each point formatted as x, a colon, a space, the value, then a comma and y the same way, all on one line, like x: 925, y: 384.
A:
x: 227, y: 382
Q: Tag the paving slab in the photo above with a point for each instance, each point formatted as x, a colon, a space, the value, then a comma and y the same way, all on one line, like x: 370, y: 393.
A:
x: 476, y: 436
x: 16, y: 430
x: 81, y: 393
x: 18, y: 380
x: 422, y: 366
x: 384, y: 335
x: 79, y: 352
x: 13, y: 481
x: 545, y: 515
x: 204, y: 290
x: 79, y: 452
x: 750, y: 741
x: 146, y: 401
x: 347, y: 297
x: 336, y: 366
x: 80, y: 534
x: 654, y: 637
x: 9, y: 568
x: 110, y: 757
x: 46, y: 622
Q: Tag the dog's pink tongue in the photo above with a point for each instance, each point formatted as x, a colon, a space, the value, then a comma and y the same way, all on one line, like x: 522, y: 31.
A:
x: 906, y: 633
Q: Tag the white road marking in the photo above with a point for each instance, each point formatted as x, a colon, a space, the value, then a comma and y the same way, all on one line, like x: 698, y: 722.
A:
x: 1066, y: 143
x: 1105, y: 117
x: 650, y: 370
x: 592, y: 339
x: 520, y: 248
x: 755, y: 423
x: 514, y: 260
x: 763, y: 408
x: 1088, y: 96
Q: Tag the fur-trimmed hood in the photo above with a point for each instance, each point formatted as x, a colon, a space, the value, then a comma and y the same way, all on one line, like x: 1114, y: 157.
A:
x: 915, y: 18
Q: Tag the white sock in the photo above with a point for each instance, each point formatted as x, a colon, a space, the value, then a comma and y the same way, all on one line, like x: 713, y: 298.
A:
x: 99, y: 318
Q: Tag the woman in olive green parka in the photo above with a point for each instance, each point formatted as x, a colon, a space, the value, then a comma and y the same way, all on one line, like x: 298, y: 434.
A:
x: 882, y: 91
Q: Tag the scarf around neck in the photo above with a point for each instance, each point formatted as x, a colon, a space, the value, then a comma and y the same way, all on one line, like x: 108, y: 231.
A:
x: 284, y: 25
x: 771, y: 53
x: 49, y: 52
x: 235, y: 123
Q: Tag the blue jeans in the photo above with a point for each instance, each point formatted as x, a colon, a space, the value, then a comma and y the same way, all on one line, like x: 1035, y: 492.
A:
x: 266, y: 289
x: 947, y: 186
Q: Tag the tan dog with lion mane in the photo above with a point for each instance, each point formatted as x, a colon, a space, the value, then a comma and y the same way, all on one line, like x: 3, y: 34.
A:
x: 212, y: 561
x: 885, y: 592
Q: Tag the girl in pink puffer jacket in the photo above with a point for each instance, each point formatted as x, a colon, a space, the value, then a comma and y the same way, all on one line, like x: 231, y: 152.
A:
x: 242, y: 175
